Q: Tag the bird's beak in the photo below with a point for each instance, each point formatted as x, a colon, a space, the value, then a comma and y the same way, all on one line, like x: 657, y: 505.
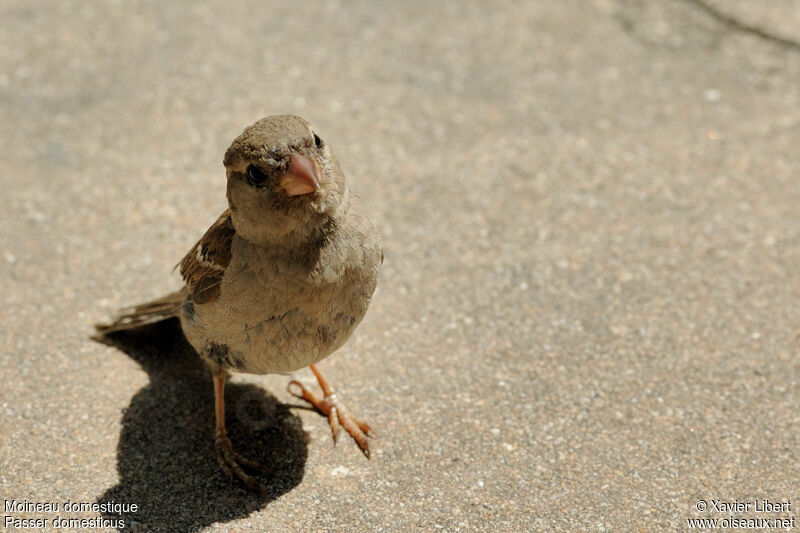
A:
x: 302, y: 177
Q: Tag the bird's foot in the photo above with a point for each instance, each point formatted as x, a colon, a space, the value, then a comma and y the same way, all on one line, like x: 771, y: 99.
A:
x: 335, y: 411
x: 231, y: 464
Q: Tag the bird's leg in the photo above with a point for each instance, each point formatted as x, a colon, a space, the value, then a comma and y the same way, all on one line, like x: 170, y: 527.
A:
x: 334, y: 410
x: 229, y: 461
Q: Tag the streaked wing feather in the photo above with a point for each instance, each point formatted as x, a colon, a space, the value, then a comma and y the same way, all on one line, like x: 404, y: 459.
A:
x: 204, y: 266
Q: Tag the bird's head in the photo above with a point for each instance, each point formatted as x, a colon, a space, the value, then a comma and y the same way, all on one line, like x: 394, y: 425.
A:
x: 283, y: 181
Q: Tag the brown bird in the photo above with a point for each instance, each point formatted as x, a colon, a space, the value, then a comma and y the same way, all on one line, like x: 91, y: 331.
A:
x: 280, y: 280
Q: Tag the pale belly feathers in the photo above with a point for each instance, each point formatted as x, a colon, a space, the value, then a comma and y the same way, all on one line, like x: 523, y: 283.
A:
x: 282, y: 315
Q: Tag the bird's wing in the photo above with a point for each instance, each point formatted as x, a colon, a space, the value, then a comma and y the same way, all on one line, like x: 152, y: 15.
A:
x: 204, y: 266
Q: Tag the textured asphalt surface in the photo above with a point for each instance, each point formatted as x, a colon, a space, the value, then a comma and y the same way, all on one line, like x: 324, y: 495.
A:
x: 589, y: 313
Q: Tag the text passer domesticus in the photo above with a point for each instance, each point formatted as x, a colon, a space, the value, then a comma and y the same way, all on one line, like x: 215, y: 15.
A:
x: 281, y: 279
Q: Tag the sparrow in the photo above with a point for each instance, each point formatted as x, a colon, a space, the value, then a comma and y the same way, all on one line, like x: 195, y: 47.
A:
x: 280, y: 280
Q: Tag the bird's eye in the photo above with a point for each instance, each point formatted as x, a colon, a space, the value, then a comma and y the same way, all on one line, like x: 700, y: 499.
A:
x: 318, y: 141
x: 255, y: 175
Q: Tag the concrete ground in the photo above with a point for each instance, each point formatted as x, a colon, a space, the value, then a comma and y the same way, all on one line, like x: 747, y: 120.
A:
x: 589, y: 313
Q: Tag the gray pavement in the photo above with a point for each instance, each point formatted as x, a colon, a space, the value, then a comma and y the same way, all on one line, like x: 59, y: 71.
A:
x: 589, y: 313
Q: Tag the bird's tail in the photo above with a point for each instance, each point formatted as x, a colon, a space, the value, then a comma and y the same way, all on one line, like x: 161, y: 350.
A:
x: 148, y: 313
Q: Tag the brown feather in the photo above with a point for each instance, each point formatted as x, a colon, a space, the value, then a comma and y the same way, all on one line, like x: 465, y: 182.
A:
x: 204, y: 266
x: 143, y: 314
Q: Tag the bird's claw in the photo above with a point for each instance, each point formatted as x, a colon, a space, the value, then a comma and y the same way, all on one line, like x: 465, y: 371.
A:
x: 231, y: 464
x: 338, y: 416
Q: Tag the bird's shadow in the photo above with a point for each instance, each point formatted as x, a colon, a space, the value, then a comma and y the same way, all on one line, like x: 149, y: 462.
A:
x: 166, y: 460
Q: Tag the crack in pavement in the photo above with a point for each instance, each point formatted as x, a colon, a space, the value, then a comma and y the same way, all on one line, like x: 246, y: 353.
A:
x: 744, y: 27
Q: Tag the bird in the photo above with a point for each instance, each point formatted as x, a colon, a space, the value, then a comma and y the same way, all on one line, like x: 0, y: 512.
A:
x: 279, y: 281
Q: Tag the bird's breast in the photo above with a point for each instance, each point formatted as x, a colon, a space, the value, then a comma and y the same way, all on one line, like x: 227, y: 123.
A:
x: 276, y: 315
